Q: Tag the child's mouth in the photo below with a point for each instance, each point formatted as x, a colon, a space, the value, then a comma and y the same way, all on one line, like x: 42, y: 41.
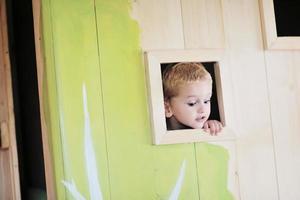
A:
x: 200, y: 119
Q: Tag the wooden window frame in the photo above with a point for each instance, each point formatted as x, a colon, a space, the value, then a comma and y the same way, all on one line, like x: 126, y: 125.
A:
x: 271, y: 39
x: 161, y: 135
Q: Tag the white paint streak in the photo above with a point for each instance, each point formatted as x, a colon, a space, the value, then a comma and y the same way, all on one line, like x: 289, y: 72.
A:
x: 90, y: 158
x: 73, y: 190
x: 91, y: 166
x: 176, y: 190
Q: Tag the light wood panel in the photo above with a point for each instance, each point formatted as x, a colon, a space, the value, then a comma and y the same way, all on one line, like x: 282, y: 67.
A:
x: 195, y: 40
x: 255, y: 150
x: 160, y: 22
x: 204, y: 28
x: 284, y: 90
x: 9, y: 172
x: 203, y: 23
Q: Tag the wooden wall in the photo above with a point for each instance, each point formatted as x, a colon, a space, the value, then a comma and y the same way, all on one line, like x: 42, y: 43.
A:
x: 265, y: 88
x: 99, y: 45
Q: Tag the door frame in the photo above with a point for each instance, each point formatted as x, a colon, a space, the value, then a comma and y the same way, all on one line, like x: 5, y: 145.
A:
x: 48, y: 159
x: 8, y: 146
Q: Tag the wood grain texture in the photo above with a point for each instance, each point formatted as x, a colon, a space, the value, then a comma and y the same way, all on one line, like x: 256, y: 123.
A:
x: 160, y: 23
x: 194, y: 40
x: 283, y: 80
x: 9, y: 171
x: 203, y: 23
x: 40, y: 64
x: 5, y: 173
x: 4, y: 135
x: 255, y: 150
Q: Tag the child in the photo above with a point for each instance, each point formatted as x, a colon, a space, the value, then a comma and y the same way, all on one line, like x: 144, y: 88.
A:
x: 187, y: 92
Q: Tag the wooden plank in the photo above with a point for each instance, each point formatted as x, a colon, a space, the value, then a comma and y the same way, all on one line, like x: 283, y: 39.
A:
x: 268, y: 22
x: 284, y: 86
x: 160, y: 22
x: 203, y: 23
x: 138, y: 170
x: 6, y: 184
x: 255, y: 150
x: 10, y: 187
x: 5, y: 173
x: 217, y: 170
x: 204, y: 28
x: 50, y: 98
x: 76, y: 63
x: 4, y: 135
x: 48, y: 163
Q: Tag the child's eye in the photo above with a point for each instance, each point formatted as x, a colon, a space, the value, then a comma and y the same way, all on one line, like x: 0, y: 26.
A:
x: 207, y: 101
x: 191, y: 103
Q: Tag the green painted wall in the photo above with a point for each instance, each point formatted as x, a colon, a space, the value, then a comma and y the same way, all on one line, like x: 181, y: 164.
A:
x: 96, y: 43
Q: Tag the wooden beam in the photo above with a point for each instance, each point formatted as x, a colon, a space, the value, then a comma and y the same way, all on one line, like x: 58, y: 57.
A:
x: 49, y: 172
x: 9, y: 169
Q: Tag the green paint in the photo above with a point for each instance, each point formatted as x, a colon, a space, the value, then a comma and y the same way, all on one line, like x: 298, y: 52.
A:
x: 50, y: 99
x: 100, y: 46
x: 138, y: 170
x: 72, y: 46
x: 212, y: 161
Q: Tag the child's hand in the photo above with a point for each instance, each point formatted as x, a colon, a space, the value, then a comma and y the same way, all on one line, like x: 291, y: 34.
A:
x: 213, y: 127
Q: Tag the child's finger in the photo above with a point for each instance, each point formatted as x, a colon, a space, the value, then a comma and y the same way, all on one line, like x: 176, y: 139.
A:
x: 220, y: 127
x: 212, y: 128
x: 217, y: 127
x: 205, y: 127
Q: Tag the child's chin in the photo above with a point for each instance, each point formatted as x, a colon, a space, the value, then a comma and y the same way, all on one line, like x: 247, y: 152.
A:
x: 197, y: 126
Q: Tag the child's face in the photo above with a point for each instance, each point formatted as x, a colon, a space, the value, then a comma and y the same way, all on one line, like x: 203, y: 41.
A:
x: 191, y: 106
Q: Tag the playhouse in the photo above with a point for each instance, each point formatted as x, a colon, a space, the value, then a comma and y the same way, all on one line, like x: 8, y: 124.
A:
x: 82, y: 105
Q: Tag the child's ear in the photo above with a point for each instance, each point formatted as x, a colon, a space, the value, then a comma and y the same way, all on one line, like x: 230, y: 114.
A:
x: 168, y: 109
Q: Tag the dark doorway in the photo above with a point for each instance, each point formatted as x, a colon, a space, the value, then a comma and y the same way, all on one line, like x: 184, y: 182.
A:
x: 26, y: 100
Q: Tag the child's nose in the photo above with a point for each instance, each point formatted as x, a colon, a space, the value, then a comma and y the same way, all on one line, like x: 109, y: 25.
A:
x: 200, y: 109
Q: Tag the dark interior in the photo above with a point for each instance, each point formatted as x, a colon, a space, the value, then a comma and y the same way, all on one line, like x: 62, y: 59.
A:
x: 287, y: 15
x: 26, y: 101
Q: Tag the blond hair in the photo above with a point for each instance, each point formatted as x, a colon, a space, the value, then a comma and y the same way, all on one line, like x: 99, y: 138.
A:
x: 182, y: 73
